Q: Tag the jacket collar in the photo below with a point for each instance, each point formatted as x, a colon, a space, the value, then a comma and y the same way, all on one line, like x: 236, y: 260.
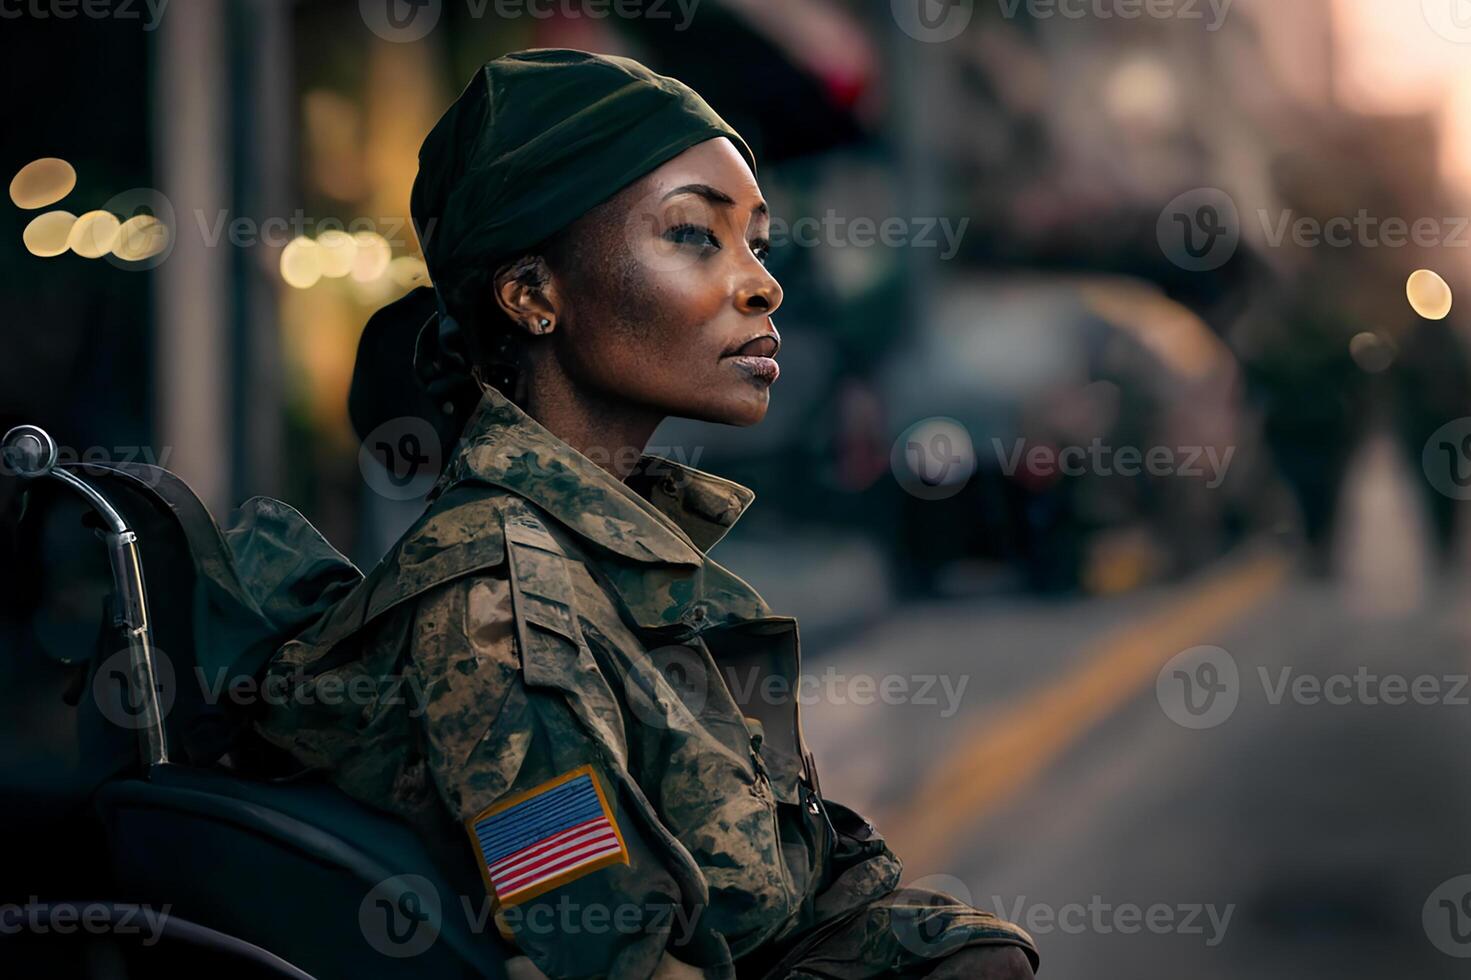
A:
x: 665, y: 512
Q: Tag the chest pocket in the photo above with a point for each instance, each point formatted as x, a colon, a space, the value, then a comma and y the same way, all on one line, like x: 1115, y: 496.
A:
x: 554, y: 652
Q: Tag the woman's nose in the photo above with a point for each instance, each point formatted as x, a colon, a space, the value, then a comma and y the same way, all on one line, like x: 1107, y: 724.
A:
x: 760, y: 296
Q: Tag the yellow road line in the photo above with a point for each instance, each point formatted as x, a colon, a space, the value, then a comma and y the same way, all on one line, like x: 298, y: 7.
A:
x: 1002, y: 754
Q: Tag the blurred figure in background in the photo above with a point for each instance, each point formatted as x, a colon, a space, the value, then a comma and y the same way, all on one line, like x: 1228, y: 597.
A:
x: 1431, y: 386
x: 1313, y: 401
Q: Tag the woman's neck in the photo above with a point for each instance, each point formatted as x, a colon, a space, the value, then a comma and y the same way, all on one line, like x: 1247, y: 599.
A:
x: 612, y: 434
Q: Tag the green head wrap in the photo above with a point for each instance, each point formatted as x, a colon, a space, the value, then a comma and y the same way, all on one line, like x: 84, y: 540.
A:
x: 539, y: 138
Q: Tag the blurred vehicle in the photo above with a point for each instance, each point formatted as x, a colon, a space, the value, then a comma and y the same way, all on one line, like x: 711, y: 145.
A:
x: 1104, y: 435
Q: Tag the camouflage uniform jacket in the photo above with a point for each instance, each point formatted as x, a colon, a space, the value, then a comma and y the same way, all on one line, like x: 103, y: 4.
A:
x: 543, y: 621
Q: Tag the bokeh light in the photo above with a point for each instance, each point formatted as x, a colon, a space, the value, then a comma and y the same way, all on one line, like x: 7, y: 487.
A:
x: 42, y: 182
x: 407, y: 272
x: 140, y: 238
x: 1371, y: 352
x: 337, y: 250
x: 301, y: 263
x: 1429, y: 295
x: 46, y: 235
x: 371, y: 259
x: 94, y: 234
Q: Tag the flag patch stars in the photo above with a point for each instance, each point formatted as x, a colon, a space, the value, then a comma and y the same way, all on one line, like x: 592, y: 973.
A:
x: 546, y: 836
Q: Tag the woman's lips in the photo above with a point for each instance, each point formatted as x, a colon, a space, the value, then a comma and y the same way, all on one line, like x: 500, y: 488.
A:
x: 762, y: 369
x: 763, y: 346
x: 755, y: 358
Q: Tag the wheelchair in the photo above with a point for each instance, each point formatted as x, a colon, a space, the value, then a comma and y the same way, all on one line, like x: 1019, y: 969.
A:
x: 133, y: 790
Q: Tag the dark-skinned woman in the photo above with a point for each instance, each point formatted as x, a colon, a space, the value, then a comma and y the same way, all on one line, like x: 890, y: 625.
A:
x: 579, y: 708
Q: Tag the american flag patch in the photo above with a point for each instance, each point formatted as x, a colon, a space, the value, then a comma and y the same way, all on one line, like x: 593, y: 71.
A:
x: 547, y: 836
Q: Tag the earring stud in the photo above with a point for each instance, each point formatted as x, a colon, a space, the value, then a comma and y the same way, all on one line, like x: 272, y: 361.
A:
x: 545, y: 323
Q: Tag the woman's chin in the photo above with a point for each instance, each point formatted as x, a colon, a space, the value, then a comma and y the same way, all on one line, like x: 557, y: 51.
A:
x: 740, y: 408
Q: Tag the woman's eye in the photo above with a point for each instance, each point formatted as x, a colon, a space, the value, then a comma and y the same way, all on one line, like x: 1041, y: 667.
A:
x: 692, y: 235
x: 762, y: 249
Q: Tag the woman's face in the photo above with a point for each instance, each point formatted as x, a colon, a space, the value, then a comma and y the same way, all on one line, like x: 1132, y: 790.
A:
x: 665, y: 300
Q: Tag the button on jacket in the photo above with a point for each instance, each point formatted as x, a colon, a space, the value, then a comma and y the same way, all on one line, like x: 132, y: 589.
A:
x: 548, y: 643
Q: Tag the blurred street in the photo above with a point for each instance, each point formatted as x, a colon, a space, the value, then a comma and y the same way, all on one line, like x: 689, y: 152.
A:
x: 1288, y: 839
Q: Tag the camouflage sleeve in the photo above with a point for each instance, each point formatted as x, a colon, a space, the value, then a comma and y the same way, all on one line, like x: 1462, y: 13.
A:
x: 576, y: 880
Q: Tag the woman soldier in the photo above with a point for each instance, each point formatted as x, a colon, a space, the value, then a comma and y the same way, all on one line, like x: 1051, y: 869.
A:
x: 575, y: 703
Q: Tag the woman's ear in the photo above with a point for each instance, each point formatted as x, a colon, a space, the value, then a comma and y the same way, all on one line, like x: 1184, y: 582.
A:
x: 525, y: 292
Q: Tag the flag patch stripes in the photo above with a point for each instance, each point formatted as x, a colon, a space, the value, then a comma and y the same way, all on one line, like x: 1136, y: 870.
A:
x: 547, y: 836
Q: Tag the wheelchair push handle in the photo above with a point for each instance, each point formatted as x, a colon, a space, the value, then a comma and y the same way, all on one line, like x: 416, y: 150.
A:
x: 30, y: 453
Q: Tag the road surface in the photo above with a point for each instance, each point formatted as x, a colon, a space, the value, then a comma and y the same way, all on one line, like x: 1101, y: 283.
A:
x: 1309, y: 816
